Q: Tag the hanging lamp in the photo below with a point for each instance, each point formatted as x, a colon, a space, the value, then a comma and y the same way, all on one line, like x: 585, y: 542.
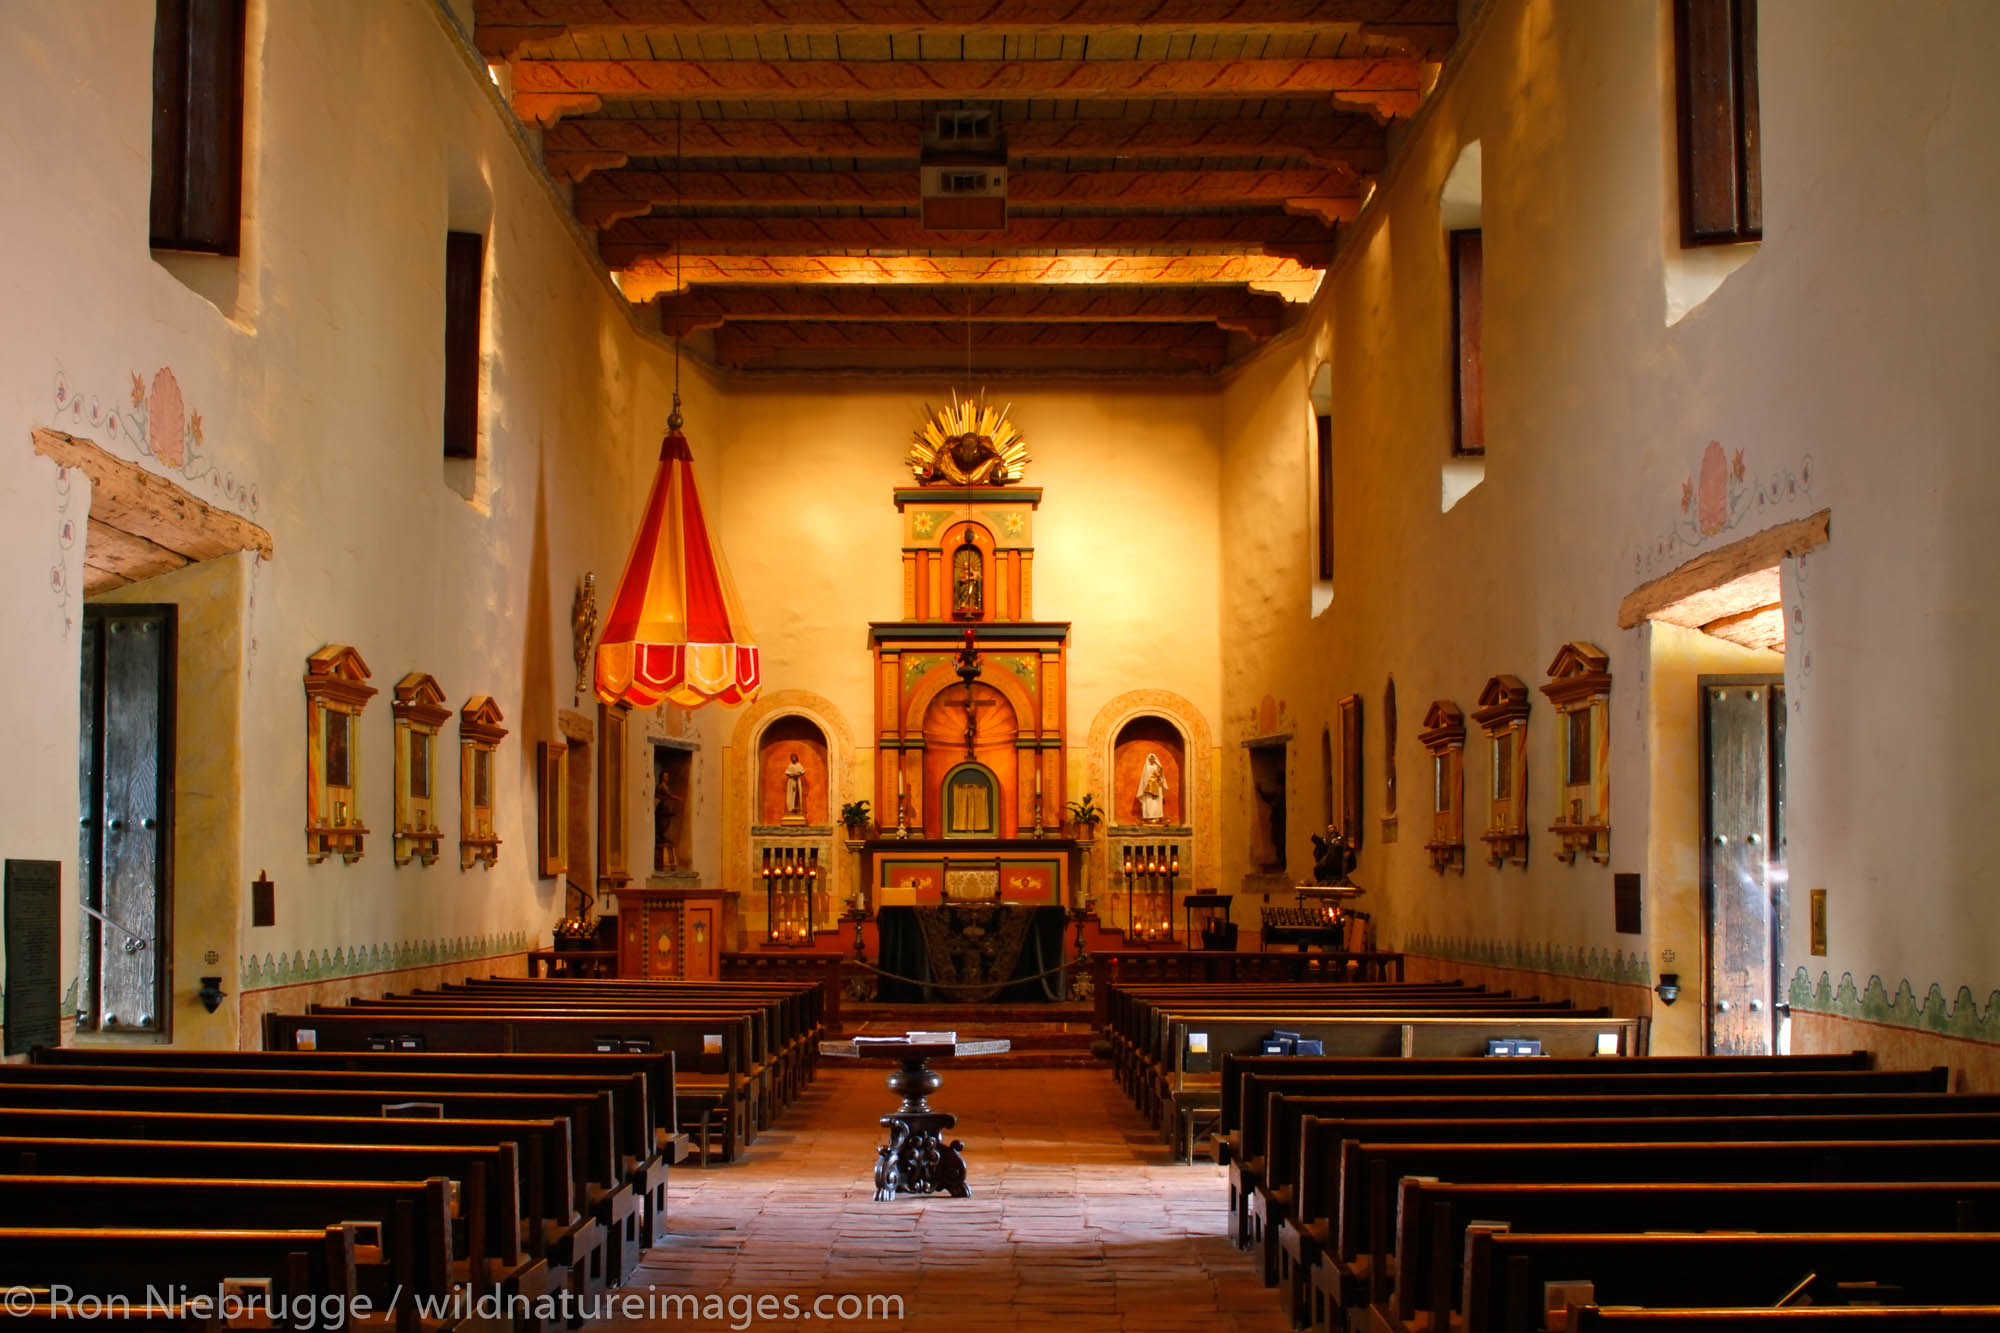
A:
x: 676, y: 631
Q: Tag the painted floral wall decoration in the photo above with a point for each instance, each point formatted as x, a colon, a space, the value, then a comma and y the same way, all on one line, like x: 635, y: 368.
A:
x: 155, y: 422
x: 1719, y: 494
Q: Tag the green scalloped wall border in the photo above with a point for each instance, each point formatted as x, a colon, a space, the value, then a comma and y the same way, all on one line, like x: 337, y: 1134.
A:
x: 309, y: 965
x: 1563, y: 960
x: 1959, y: 1017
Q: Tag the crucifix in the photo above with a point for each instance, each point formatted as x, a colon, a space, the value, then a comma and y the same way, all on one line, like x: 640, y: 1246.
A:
x: 969, y: 670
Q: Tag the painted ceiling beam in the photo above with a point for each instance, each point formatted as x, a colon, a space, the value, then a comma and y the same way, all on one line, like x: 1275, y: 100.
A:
x: 503, y: 25
x: 575, y: 148
x: 647, y: 277
x: 612, y: 196
x: 547, y: 90
x: 745, y: 344
x: 1305, y: 239
x: 1256, y: 314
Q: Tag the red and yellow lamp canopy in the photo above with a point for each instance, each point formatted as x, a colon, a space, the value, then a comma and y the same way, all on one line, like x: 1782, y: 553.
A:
x: 676, y: 631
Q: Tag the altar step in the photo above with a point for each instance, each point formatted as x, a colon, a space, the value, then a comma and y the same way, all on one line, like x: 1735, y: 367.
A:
x: 1044, y: 1036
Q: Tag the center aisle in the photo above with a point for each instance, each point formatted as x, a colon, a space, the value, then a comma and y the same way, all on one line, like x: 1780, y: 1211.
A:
x: 1077, y: 1218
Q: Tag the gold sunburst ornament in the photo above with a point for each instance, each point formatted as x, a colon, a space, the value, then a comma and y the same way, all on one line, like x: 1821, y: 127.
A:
x: 968, y: 443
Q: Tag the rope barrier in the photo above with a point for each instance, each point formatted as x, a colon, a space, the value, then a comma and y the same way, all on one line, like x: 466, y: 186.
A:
x: 963, y: 985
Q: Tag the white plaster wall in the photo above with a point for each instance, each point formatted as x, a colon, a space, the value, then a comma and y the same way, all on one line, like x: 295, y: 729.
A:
x: 1849, y: 360
x: 319, y: 389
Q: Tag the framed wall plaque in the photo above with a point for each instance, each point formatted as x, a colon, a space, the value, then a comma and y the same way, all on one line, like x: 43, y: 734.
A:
x: 479, y: 737
x: 1503, y: 715
x: 1351, y: 776
x: 420, y: 714
x: 551, y: 808
x: 1443, y: 737
x: 337, y: 690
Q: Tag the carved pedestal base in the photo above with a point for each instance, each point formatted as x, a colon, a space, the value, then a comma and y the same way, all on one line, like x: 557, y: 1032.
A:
x: 918, y: 1160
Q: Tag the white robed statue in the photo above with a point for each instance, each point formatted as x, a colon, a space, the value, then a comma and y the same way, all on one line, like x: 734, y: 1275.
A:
x: 1153, y: 791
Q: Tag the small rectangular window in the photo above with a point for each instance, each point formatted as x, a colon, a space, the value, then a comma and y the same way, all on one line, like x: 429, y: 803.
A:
x: 464, y: 275
x: 1715, y: 55
x: 1468, y: 321
x: 197, y: 201
x: 1323, y: 458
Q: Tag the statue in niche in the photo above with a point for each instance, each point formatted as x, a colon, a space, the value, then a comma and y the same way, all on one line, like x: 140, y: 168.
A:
x: 666, y: 808
x: 795, y: 791
x: 968, y: 597
x: 1152, y: 791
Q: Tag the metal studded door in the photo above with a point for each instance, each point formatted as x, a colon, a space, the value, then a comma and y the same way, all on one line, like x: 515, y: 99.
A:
x: 1743, y: 877
x: 125, y: 839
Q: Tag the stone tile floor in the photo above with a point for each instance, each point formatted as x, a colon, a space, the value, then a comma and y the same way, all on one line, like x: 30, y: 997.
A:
x: 1077, y: 1220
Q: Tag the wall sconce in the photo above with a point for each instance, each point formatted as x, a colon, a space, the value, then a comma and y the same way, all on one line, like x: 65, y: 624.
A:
x: 211, y: 993
x: 1669, y: 988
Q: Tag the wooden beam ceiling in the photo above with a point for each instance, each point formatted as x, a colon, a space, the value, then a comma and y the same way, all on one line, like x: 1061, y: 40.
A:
x: 739, y: 155
x: 1294, y: 281
x: 612, y: 196
x: 575, y: 148
x: 505, y: 25
x: 1256, y: 315
x: 546, y: 90
x: 946, y: 343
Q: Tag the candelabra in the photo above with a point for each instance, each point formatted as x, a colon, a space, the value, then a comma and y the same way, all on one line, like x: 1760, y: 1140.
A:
x: 791, y: 887
x: 1150, y: 872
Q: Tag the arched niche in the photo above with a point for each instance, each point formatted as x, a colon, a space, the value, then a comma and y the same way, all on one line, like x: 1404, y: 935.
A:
x: 969, y: 801
x: 792, y: 738
x: 1149, y: 735
x: 971, y: 589
x: 995, y: 730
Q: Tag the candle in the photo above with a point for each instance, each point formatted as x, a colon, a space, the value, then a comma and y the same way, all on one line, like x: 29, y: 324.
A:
x: 899, y: 782
x: 1038, y: 782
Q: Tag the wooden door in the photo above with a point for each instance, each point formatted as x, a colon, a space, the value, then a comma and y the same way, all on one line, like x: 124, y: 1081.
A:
x: 125, y: 842
x: 1743, y: 861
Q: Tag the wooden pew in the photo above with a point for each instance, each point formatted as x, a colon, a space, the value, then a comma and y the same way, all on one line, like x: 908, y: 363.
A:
x: 610, y: 1198
x: 1791, y: 1319
x: 1248, y: 1082
x: 700, y: 1065
x: 655, y: 1069
x: 1368, y: 1171
x: 1340, y: 1225
x: 1118, y: 968
x: 311, y: 1265
x: 503, y: 1242
x: 409, y: 1253
x: 1237, y: 1069
x: 1190, y: 1080
x: 788, y: 1021
x: 1433, y: 1216
x: 1505, y: 1271
x: 1633, y: 1091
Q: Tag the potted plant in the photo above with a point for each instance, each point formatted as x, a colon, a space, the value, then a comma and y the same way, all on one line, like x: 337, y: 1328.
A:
x: 1084, y: 817
x: 855, y: 816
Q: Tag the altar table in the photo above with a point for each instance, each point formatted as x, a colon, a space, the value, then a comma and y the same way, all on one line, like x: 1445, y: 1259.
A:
x: 993, y: 950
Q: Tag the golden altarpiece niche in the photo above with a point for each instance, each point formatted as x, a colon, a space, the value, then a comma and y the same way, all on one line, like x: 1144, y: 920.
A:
x: 479, y: 737
x: 1503, y: 715
x: 1443, y: 737
x: 420, y: 714
x: 1579, y: 688
x: 337, y: 691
